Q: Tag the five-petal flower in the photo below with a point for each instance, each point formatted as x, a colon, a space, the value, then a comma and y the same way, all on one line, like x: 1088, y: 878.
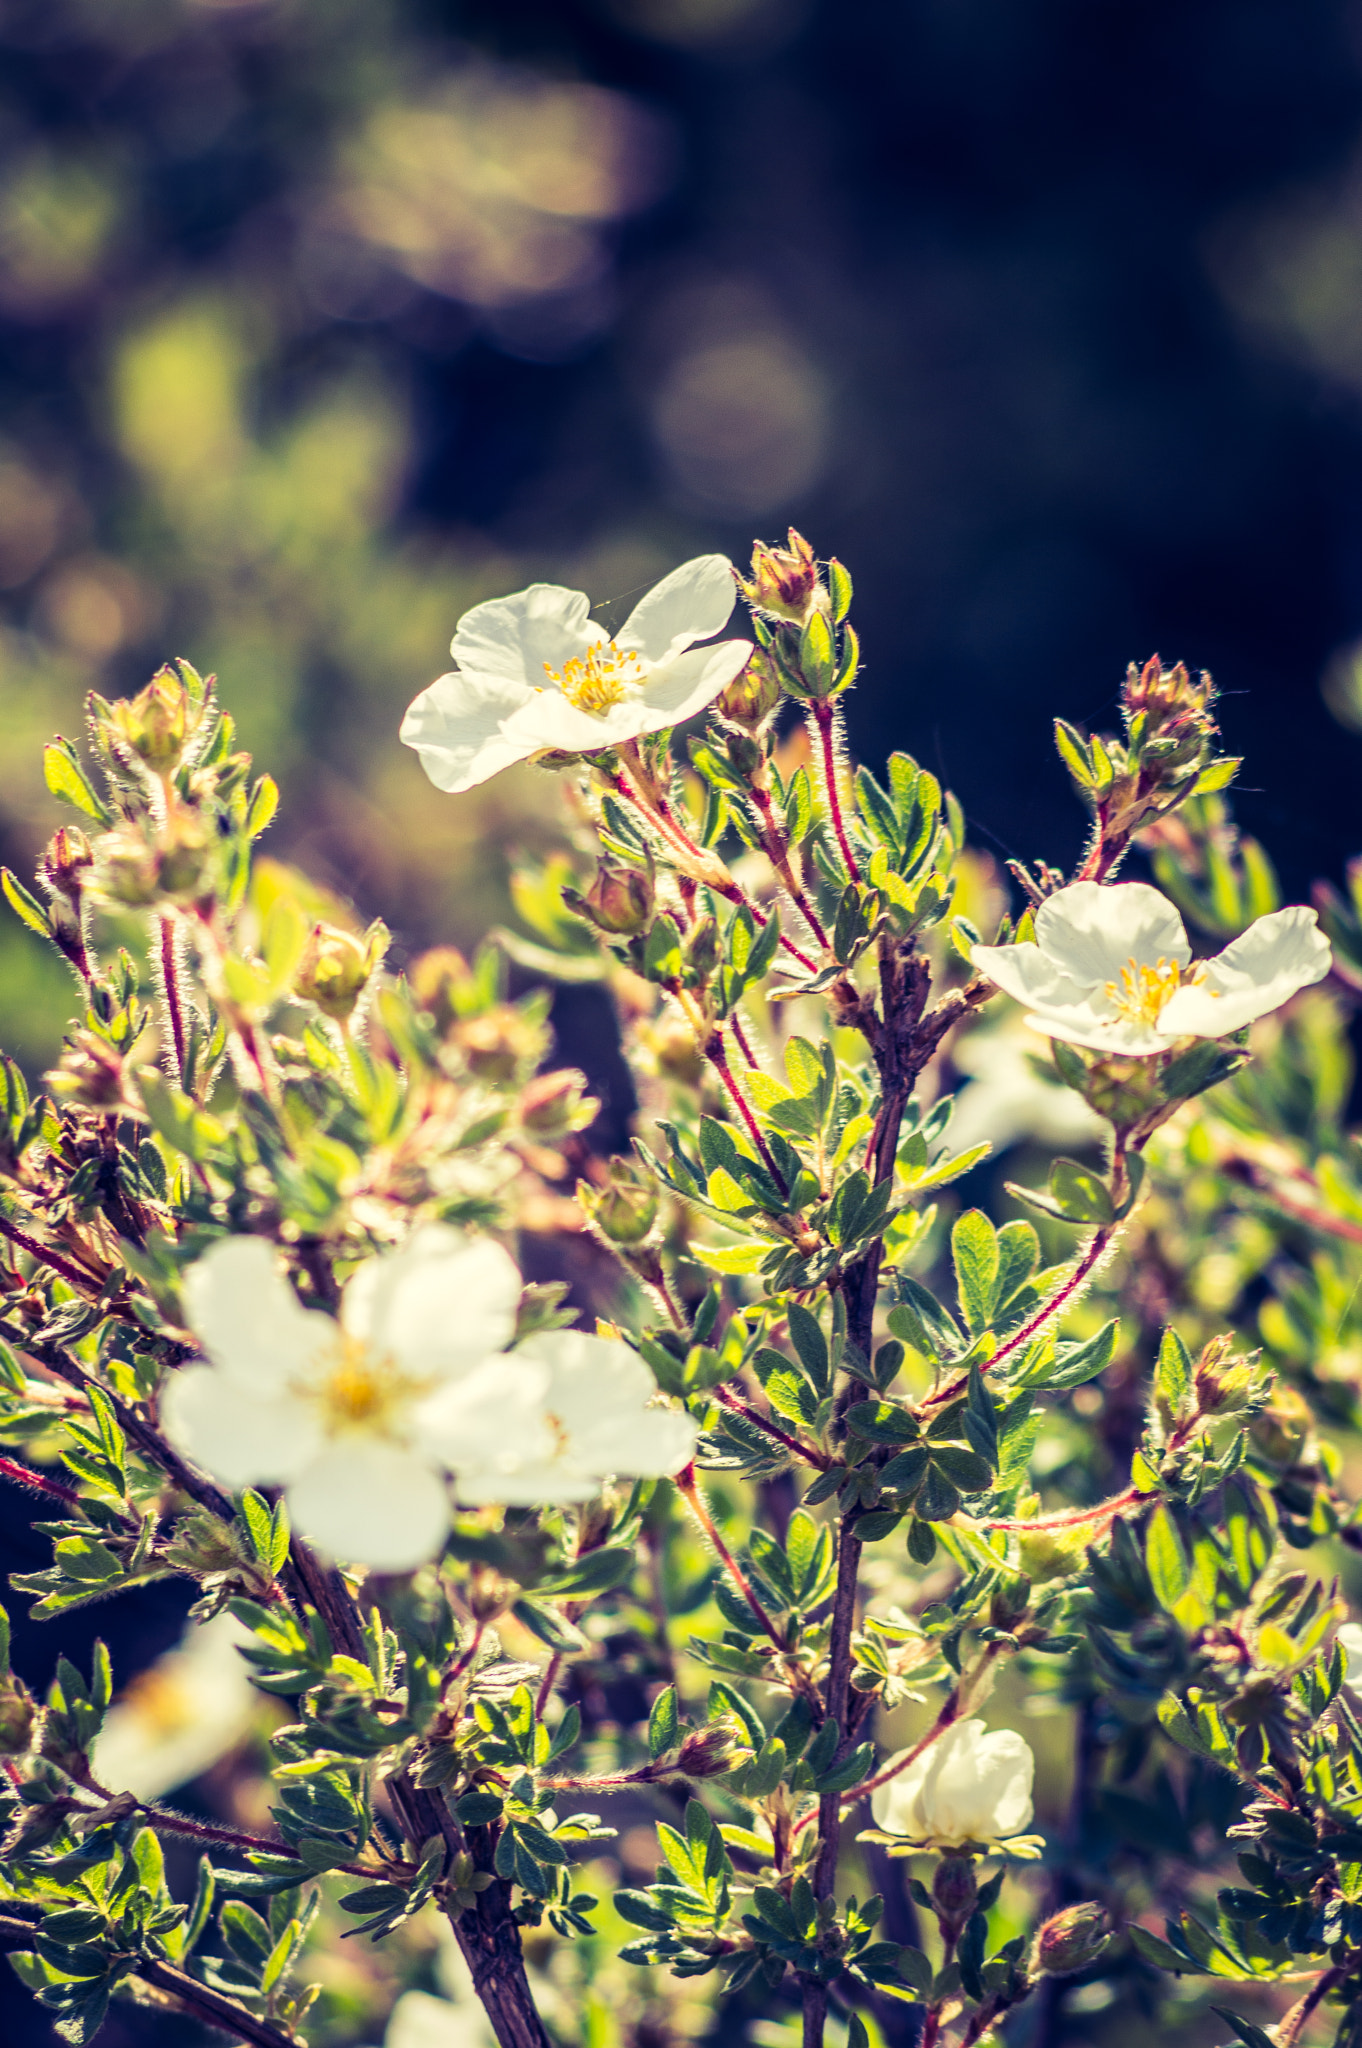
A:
x: 1110, y: 968
x: 967, y: 1786
x: 534, y: 673
x: 361, y: 1419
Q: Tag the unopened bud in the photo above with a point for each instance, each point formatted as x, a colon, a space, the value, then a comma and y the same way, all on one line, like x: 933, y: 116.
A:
x: 553, y: 1105
x: 703, y: 950
x: 1009, y: 1602
x: 751, y: 698
x: 625, y: 1210
x: 1162, y: 691
x: 710, y: 1752
x: 784, y: 583
x: 1281, y: 1429
x: 157, y: 722
x: 335, y: 967
x: 66, y: 862
x: 90, y: 1074
x: 1071, y: 1940
x: 500, y: 1044
x: 620, y: 900
x: 17, y: 1715
x: 954, y: 1889
x: 672, y: 1045
x: 436, y: 979
x: 138, y: 870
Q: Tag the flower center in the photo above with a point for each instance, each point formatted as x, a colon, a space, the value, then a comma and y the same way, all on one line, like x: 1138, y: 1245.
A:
x: 599, y: 679
x: 359, y: 1389
x: 1142, y: 992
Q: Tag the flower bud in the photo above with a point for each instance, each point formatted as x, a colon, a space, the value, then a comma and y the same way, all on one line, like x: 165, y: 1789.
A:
x: 90, y: 1074
x: 138, y: 870
x: 702, y: 951
x: 674, y: 1051
x: 17, y: 1715
x: 624, y: 1211
x: 784, y: 583
x: 1048, y: 1554
x: 752, y: 697
x: 554, y: 1105
x: 709, y: 1752
x: 1071, y: 1940
x: 1281, y: 1429
x: 156, y: 723
x: 500, y: 1043
x: 435, y: 978
x: 1009, y: 1602
x: 620, y: 900
x: 954, y: 1889
x: 1164, y: 692
x: 335, y: 967
x: 66, y: 862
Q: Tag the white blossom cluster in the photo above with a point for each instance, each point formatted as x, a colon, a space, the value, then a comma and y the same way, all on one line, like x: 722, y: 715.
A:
x: 365, y: 1420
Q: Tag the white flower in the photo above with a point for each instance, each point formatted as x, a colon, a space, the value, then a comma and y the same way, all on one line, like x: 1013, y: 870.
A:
x: 334, y: 1411
x: 562, y: 1413
x: 533, y: 672
x: 1007, y: 1098
x: 181, y: 1714
x: 1350, y: 1642
x: 967, y: 1786
x: 1111, y: 969
x: 420, y: 2021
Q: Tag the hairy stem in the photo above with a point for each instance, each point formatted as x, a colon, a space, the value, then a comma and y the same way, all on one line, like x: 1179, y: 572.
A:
x: 776, y: 847
x: 212, y: 2008
x: 688, y: 1487
x: 170, y: 985
x: 826, y: 719
x: 809, y: 1453
x: 716, y: 1053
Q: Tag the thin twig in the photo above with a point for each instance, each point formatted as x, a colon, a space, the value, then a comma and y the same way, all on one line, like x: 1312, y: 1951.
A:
x: 825, y: 715
x: 688, y: 1487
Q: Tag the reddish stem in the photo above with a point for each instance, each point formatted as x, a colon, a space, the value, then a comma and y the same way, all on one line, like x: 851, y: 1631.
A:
x: 547, y: 1683
x: 24, y: 1475
x: 777, y: 850
x: 806, y: 1452
x: 74, y: 1276
x: 686, y: 1485
x: 170, y: 978
x: 741, y: 1038
x: 233, y: 1838
x: 1037, y: 1322
x: 825, y: 719
x: 718, y: 1059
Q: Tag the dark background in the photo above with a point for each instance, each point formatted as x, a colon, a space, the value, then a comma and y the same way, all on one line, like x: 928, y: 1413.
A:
x: 1043, y: 315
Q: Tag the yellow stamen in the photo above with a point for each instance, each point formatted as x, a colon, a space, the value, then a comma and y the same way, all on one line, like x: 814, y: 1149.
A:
x: 1142, y: 991
x: 599, y: 679
x: 361, y: 1389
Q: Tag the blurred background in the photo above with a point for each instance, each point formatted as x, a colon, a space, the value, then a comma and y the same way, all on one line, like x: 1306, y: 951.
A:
x: 321, y: 320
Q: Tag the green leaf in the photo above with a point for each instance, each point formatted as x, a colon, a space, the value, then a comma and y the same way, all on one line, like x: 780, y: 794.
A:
x: 1170, y: 1571
x: 26, y: 908
x: 67, y: 781
x: 664, y: 1723
x: 974, y: 1250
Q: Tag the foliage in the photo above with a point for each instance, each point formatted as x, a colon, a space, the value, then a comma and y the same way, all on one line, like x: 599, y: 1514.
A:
x: 880, y: 1378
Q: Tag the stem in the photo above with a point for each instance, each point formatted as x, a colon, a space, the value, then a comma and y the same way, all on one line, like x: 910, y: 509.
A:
x: 825, y: 721
x: 1239, y: 1167
x: 210, y: 2007
x: 74, y: 1276
x: 24, y: 1475
x: 776, y: 847
x: 1291, y: 2028
x: 792, y: 1444
x: 547, y: 1683
x: 170, y: 981
x: 713, y: 1049
x: 1072, y: 1518
x: 688, y: 1488
x: 1090, y: 1258
x: 233, y: 1838
x: 962, y: 1695
x: 741, y: 1039
x: 698, y: 865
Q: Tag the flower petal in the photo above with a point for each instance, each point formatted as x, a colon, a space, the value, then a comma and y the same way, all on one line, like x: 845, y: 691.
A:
x: 371, y: 1503
x: 1258, y: 972
x: 439, y: 1304
x: 250, y: 1320
x: 1092, y: 929
x: 490, y: 1420
x: 458, y: 727
x: 677, y: 689
x: 234, y: 1432
x: 513, y: 639
x: 1029, y: 975
x: 1102, y: 1029
x: 694, y: 603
